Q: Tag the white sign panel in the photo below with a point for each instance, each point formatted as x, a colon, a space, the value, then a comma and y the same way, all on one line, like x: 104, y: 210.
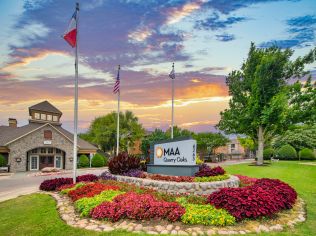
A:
x: 47, y: 142
x: 175, y: 153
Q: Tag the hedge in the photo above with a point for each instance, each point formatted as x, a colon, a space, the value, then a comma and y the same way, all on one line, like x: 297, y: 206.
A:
x: 97, y: 160
x: 268, y: 153
x: 307, y: 154
x: 83, y: 161
x: 287, y: 152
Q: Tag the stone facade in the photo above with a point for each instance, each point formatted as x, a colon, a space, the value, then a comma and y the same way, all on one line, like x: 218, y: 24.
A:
x: 20, y: 147
x: 198, y: 188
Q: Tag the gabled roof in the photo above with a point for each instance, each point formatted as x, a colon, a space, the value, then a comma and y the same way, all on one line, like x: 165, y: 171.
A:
x: 11, y: 134
x: 45, y: 106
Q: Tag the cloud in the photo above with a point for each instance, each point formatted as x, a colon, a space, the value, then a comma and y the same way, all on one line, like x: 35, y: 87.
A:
x: 302, y: 31
x: 225, y: 37
x: 215, y: 23
x: 176, y: 14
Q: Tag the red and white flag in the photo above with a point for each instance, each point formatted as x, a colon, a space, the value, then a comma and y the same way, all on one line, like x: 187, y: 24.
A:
x: 71, y: 33
x: 116, y: 87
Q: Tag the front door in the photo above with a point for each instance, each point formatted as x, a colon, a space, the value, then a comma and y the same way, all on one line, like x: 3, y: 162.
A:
x: 33, y: 162
x: 58, y: 162
x: 46, y: 161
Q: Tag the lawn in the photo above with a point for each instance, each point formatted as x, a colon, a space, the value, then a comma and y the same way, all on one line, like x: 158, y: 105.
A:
x: 36, y: 214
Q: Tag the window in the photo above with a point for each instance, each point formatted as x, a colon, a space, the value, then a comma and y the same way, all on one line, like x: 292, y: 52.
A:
x: 58, y: 151
x: 34, y: 150
x: 55, y: 118
x: 37, y: 115
x: 33, y: 163
x: 48, y: 135
x: 58, y: 162
x: 43, y: 116
x: 50, y: 150
x: 49, y: 117
x: 43, y: 150
x: 232, y: 147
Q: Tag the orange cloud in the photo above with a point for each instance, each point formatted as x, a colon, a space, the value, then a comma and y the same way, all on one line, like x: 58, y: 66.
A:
x: 177, y: 14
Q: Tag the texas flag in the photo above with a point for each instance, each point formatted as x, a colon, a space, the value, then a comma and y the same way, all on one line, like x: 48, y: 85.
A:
x: 71, y: 33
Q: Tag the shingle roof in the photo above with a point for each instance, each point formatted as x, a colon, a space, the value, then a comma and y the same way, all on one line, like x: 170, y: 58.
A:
x: 8, y: 134
x: 45, y: 106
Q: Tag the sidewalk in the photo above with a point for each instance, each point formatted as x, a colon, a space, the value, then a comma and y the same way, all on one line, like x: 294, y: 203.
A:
x: 12, y: 186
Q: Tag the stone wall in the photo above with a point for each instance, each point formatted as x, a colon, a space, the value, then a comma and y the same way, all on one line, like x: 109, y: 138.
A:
x: 19, y: 148
x: 197, y: 188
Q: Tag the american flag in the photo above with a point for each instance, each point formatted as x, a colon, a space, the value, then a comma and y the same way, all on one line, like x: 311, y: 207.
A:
x: 172, y: 74
x: 116, y: 88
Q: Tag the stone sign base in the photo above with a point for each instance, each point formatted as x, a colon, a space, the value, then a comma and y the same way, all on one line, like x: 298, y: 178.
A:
x: 175, y: 170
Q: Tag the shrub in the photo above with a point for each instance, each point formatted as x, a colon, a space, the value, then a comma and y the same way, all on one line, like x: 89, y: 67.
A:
x: 3, y: 161
x: 107, y: 176
x: 211, y: 178
x: 87, y: 178
x: 90, y: 190
x: 83, y: 161
x: 134, y: 173
x: 138, y: 207
x: 171, y: 178
x: 263, y: 199
x: 307, y: 154
x: 206, y: 215
x: 97, y: 160
x: 123, y: 163
x: 246, y: 181
x: 85, y: 205
x: 205, y: 171
x: 287, y: 152
x: 268, y: 153
x: 54, y: 184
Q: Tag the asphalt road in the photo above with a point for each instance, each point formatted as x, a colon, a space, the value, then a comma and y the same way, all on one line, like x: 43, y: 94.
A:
x: 23, y: 183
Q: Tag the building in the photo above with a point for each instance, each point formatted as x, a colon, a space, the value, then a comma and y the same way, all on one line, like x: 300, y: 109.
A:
x: 232, y: 149
x: 41, y: 143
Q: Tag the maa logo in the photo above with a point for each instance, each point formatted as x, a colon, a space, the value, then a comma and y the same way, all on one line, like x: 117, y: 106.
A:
x: 159, y: 152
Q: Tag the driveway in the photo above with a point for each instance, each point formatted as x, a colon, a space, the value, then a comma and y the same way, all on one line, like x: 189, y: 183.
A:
x: 23, y: 183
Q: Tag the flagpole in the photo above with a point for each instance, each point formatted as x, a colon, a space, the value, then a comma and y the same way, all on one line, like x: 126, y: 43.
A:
x: 118, y: 118
x: 76, y: 101
x: 172, y: 113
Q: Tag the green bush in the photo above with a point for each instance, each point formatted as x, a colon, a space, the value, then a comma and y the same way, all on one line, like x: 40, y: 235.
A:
x: 86, y: 204
x: 306, y: 154
x: 97, y: 160
x: 268, y: 153
x: 287, y: 152
x: 211, y: 178
x: 205, y: 214
x: 83, y: 161
x: 3, y: 161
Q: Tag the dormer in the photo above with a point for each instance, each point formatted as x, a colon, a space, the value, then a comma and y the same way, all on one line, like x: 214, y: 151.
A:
x: 44, y: 112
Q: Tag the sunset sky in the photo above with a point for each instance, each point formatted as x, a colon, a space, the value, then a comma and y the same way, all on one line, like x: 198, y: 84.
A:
x: 205, y: 39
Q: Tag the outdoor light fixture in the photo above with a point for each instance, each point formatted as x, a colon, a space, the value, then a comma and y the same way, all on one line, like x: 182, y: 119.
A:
x: 18, y: 159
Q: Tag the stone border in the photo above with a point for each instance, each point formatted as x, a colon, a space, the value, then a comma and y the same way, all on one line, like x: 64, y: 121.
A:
x: 198, y: 188
x: 285, y: 219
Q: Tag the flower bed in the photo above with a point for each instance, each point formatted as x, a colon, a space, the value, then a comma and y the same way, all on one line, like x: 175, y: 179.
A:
x: 112, y: 200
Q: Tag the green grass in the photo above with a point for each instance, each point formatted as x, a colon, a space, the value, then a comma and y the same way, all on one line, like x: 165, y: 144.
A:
x: 301, y: 177
x: 36, y: 214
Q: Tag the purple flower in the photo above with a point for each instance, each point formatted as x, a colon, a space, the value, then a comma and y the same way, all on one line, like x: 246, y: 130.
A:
x: 107, y: 176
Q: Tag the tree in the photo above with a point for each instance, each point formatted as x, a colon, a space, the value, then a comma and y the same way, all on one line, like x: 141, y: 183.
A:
x: 158, y: 135
x: 155, y: 136
x: 248, y: 144
x: 299, y: 137
x: 259, y: 94
x: 178, y: 132
x: 208, y: 142
x: 102, y: 131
